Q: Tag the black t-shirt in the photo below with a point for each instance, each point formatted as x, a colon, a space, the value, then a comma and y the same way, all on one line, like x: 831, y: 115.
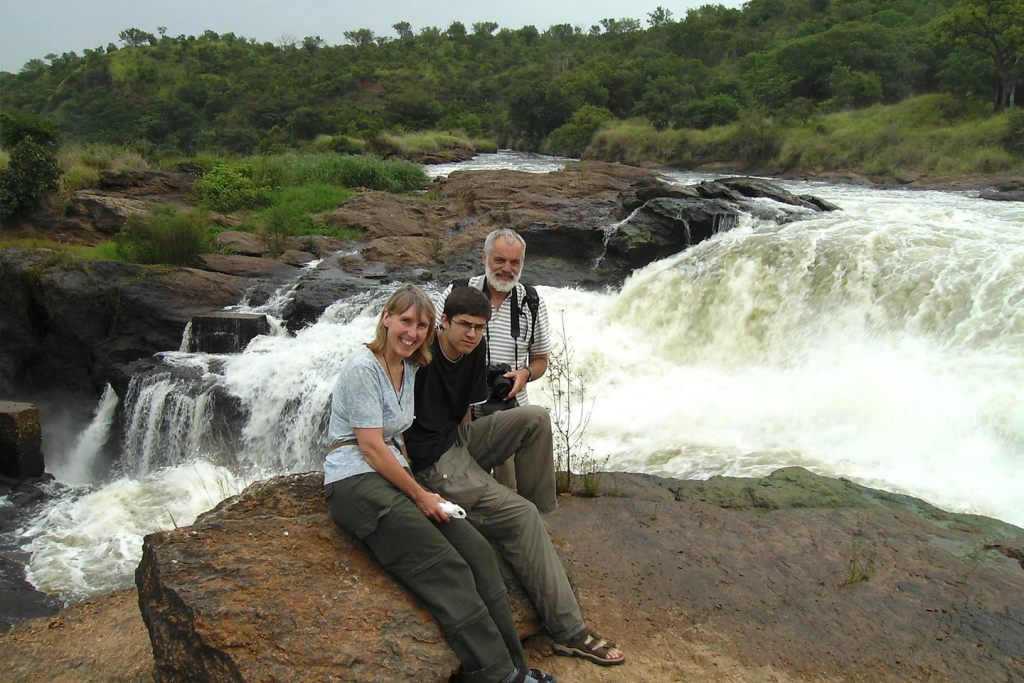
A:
x: 444, y: 392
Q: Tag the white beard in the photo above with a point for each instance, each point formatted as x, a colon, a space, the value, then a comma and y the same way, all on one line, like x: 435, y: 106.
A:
x: 499, y: 285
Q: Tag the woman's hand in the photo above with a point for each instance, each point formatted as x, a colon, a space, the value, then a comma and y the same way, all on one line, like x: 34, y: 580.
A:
x: 429, y: 504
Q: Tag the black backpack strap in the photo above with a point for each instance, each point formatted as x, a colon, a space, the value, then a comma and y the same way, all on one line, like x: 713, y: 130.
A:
x: 531, y: 298
x: 533, y: 303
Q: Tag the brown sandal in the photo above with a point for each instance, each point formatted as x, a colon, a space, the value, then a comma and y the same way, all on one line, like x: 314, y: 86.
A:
x: 588, y: 645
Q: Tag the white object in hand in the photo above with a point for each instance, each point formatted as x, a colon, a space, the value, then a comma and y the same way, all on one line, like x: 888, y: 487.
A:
x: 453, y: 510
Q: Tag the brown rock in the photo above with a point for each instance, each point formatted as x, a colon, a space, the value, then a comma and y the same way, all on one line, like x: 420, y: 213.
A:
x: 789, y: 577
x: 245, y: 266
x: 147, y: 183
x: 295, y: 257
x: 107, y: 213
x: 266, y: 587
x: 21, y: 441
x: 244, y: 243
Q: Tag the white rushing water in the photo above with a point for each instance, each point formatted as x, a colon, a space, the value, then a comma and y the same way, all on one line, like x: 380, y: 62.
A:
x: 883, y: 343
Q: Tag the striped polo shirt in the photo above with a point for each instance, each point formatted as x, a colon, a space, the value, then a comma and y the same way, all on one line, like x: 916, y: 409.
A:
x: 501, y: 347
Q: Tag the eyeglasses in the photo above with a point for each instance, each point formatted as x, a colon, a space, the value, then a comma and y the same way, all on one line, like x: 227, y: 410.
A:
x: 467, y: 326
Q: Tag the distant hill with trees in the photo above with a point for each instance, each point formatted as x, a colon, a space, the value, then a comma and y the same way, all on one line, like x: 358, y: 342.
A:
x: 784, y: 60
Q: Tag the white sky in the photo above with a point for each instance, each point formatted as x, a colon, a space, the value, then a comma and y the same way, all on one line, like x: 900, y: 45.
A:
x: 31, y: 29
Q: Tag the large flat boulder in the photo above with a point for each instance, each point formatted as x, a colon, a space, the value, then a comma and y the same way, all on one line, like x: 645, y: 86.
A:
x: 787, y: 577
x: 266, y: 587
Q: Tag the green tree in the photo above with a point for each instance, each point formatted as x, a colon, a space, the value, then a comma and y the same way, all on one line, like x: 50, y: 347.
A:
x: 16, y: 127
x: 659, y: 17
x: 994, y: 28
x: 361, y: 37
x: 133, y: 37
x: 850, y: 88
x: 403, y: 29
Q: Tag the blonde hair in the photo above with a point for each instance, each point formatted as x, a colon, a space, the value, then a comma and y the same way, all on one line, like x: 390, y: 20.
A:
x: 409, y: 296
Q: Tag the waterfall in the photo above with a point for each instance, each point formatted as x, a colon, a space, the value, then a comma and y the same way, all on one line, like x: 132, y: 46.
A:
x: 83, y: 462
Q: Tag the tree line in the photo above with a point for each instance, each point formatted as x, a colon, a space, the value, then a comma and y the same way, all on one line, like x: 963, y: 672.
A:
x: 525, y: 88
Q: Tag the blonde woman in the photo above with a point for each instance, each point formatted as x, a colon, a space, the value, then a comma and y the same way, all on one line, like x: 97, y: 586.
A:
x: 371, y: 494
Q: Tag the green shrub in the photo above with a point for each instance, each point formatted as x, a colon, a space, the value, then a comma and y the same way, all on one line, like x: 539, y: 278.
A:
x: 227, y: 188
x: 1014, y: 139
x: 716, y: 110
x: 570, y: 139
x: 31, y: 173
x: 164, y: 236
x: 283, y: 170
x: 16, y: 127
x: 292, y: 208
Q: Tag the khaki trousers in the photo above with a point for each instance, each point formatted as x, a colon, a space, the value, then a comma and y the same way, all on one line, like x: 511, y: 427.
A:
x: 510, y: 519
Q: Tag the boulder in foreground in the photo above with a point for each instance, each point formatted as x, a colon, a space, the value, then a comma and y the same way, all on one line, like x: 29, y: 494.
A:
x: 788, y: 577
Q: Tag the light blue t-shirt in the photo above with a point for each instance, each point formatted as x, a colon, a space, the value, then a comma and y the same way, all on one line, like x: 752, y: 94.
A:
x: 364, y: 398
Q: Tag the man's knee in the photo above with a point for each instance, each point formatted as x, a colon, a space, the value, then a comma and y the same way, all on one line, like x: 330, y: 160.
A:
x: 536, y: 417
x: 514, y: 518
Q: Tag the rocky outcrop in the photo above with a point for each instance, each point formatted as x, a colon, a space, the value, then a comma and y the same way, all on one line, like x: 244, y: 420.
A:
x: 246, y: 266
x: 226, y: 331
x: 568, y: 219
x: 667, y: 225
x: 78, y: 323
x: 795, y: 575
x: 1009, y: 191
x: 21, y: 440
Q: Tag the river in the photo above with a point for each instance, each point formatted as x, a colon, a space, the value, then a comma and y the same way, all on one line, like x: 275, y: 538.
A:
x: 883, y: 343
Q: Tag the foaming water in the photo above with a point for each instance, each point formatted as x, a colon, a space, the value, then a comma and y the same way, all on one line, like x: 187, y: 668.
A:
x: 91, y: 541
x: 883, y: 342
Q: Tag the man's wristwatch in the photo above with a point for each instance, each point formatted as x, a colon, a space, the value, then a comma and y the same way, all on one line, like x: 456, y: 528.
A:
x: 529, y: 373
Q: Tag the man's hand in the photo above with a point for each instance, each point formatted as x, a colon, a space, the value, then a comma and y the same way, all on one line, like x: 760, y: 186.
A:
x: 519, y: 378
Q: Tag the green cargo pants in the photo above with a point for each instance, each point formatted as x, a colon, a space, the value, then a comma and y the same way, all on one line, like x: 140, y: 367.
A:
x: 449, y: 566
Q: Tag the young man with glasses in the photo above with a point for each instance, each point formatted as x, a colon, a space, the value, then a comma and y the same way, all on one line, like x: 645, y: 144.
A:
x: 452, y: 454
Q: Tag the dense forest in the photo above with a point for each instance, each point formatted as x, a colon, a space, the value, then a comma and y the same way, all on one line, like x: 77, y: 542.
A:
x: 521, y: 87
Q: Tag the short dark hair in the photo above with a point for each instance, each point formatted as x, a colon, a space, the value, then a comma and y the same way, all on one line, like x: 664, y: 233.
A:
x: 467, y: 301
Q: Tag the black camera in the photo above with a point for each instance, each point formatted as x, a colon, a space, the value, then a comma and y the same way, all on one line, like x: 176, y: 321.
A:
x: 499, y: 386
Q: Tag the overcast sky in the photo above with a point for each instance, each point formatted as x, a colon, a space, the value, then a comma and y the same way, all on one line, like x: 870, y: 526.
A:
x: 31, y: 29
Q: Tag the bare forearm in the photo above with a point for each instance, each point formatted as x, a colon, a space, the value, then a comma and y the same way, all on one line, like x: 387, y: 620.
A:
x: 538, y: 366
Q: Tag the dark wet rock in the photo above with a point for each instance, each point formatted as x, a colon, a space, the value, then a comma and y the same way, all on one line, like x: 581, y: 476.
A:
x: 665, y: 226
x: 71, y: 324
x: 21, y: 440
x: 226, y: 331
x: 1009, y: 191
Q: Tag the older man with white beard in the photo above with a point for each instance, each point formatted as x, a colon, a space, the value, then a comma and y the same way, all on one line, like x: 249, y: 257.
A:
x: 517, y: 333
